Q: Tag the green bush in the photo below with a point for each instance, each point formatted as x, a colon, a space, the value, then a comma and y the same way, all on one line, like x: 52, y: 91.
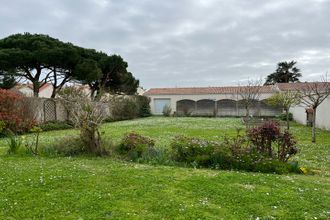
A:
x: 2, y: 128
x: 134, y: 146
x: 167, y: 110
x: 234, y: 153
x: 143, y: 104
x: 193, y: 151
x: 122, y: 108
x: 283, y: 116
x: 55, y: 125
x: 14, y: 143
x: 68, y: 146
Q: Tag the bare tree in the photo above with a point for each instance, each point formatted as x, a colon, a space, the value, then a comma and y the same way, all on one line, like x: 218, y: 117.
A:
x: 286, y: 100
x: 249, y: 93
x: 312, y: 95
x: 87, y: 116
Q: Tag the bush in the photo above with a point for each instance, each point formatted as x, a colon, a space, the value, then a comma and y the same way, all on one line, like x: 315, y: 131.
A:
x: 14, y: 112
x: 167, y: 110
x: 235, y: 153
x: 283, y: 116
x: 14, y: 143
x: 268, y: 136
x: 193, y: 151
x: 123, y: 108
x: 134, y: 146
x: 55, y: 125
x: 68, y: 146
x: 143, y: 104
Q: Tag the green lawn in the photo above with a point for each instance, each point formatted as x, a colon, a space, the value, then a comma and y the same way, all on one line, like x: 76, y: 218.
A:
x: 104, y: 188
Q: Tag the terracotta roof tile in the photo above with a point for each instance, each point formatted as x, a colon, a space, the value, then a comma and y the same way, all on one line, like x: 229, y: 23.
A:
x: 221, y: 90
x: 201, y: 90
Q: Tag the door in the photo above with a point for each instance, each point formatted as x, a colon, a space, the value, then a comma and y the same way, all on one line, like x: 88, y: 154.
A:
x: 160, y: 104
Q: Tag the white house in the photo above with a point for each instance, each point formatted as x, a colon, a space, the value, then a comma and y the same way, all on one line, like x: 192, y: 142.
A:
x: 226, y: 101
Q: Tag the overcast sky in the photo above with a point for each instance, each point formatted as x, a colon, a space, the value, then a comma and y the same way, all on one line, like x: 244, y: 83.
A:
x: 170, y: 43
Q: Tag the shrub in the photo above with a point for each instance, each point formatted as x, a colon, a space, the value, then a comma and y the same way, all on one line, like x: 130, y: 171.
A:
x: 143, y: 104
x: 123, y: 108
x: 32, y: 145
x: 193, y: 151
x: 55, y: 125
x: 68, y: 146
x: 268, y: 136
x: 167, y: 110
x: 87, y: 115
x: 14, y: 143
x: 283, y: 116
x: 2, y: 128
x: 134, y: 145
x: 13, y: 112
x: 263, y: 136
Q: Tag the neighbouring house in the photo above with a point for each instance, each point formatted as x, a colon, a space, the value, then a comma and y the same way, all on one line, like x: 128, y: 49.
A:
x: 303, y: 114
x: 27, y: 90
x: 226, y: 101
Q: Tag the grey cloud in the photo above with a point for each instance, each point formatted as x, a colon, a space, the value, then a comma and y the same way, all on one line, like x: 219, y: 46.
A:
x: 186, y: 42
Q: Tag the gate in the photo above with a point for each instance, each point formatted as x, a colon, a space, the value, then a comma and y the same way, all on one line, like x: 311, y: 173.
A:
x: 49, y: 110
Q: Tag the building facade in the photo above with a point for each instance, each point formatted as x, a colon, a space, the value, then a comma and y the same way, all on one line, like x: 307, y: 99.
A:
x: 227, y: 101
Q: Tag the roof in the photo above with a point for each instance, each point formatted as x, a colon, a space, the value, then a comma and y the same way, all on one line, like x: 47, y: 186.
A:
x: 224, y: 89
x: 303, y: 85
x: 202, y: 90
x: 30, y: 86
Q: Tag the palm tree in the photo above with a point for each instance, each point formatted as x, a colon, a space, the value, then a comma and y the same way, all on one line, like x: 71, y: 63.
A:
x: 286, y: 72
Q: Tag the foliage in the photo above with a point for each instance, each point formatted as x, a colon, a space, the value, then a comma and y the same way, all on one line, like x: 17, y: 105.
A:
x: 123, y: 108
x: 2, y: 128
x: 14, y: 143
x: 7, y: 80
x: 14, y: 112
x: 193, y: 151
x: 164, y: 192
x: 285, y: 116
x: 248, y: 94
x: 128, y: 107
x: 40, y: 59
x: 313, y: 95
x: 87, y: 115
x: 68, y: 146
x: 32, y: 143
x: 55, y: 125
x: 167, y: 110
x: 286, y: 72
x: 286, y: 100
x: 134, y: 146
x: 265, y: 136
x: 143, y: 103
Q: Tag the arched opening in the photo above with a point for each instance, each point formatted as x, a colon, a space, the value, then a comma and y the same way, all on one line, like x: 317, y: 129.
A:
x: 185, y: 107
x: 226, y: 107
x: 253, y: 108
x: 205, y: 107
x: 269, y: 110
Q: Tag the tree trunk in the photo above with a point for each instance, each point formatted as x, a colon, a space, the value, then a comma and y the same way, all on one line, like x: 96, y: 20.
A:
x: 314, y: 126
x: 287, y: 119
x: 53, y: 93
x: 35, y: 89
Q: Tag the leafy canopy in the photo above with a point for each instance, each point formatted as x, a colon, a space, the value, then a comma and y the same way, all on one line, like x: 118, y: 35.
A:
x: 286, y: 72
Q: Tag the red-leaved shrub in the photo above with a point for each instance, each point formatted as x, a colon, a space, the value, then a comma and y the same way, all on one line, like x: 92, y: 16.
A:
x: 13, y: 112
x: 267, y: 136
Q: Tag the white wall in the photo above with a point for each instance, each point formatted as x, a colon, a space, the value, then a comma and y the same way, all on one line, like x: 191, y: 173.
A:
x: 322, y: 114
x: 215, y: 97
x: 46, y: 92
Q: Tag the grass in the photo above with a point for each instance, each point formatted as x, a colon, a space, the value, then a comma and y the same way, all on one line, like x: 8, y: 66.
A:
x: 104, y: 188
